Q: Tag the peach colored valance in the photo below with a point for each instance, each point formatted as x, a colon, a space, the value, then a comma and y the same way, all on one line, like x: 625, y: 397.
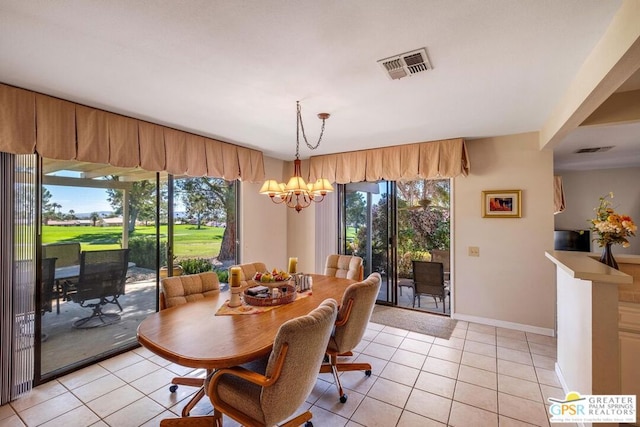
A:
x: 435, y: 159
x: 34, y: 123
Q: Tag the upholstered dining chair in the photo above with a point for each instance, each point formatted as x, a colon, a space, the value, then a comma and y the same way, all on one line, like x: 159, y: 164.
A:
x: 344, y: 266
x: 179, y: 290
x: 276, y: 387
x: 249, y: 270
x: 355, y: 310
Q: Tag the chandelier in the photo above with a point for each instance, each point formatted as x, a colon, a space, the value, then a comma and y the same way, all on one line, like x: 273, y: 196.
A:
x: 297, y: 194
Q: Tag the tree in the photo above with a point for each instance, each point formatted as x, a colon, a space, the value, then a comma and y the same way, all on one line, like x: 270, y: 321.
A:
x: 212, y: 198
x: 142, y: 201
x: 356, y: 209
x: 94, y: 218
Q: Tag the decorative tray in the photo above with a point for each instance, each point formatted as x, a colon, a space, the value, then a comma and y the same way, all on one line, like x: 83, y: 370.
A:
x: 286, y: 293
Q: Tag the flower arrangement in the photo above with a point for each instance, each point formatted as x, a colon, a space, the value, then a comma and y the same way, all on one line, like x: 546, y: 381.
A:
x: 612, y: 228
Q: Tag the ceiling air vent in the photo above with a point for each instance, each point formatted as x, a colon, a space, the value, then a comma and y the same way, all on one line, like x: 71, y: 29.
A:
x: 406, y: 64
x: 593, y: 150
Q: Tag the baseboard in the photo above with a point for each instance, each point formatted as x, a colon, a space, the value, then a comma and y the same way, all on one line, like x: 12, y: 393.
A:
x: 504, y: 324
x: 565, y: 388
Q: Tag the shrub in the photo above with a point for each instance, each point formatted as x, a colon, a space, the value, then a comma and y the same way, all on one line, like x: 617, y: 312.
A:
x: 223, y: 276
x: 195, y: 265
x: 143, y: 251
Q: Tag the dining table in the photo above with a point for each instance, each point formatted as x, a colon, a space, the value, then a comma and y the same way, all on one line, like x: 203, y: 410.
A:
x: 195, y: 335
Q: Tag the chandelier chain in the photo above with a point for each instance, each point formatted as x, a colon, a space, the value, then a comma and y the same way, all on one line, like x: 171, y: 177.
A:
x: 300, y: 126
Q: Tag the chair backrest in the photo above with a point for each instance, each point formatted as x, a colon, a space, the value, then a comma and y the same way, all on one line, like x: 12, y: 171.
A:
x: 307, y: 338
x: 355, y: 310
x: 48, y: 282
x: 102, y: 274
x: 428, y: 277
x: 344, y: 266
x: 249, y: 270
x: 443, y: 256
x: 66, y: 253
x: 178, y: 290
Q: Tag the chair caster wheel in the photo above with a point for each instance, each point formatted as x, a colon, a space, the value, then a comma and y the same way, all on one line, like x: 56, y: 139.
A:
x: 308, y: 424
x: 368, y: 372
x: 343, y: 398
x: 173, y: 388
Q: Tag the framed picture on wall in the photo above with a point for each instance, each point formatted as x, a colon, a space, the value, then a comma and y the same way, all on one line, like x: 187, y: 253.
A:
x: 502, y: 204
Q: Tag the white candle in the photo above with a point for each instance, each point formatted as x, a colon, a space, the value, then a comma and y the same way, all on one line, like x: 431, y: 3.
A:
x: 234, y: 276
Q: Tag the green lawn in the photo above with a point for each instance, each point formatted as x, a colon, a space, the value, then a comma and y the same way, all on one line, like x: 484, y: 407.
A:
x: 189, y: 242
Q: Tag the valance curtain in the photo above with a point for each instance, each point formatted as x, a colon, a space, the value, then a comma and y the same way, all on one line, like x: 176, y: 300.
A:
x: 435, y: 159
x: 53, y: 128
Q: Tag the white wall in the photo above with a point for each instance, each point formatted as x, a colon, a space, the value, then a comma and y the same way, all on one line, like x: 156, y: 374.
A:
x: 263, y: 224
x: 511, y: 283
x: 582, y: 190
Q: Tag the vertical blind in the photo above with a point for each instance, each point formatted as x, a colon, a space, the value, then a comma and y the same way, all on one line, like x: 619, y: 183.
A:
x: 18, y: 200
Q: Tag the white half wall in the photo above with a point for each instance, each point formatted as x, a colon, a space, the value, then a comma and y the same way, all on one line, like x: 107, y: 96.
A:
x: 582, y: 189
x: 511, y: 282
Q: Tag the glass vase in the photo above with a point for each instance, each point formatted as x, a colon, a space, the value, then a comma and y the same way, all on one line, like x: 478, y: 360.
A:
x: 607, y: 256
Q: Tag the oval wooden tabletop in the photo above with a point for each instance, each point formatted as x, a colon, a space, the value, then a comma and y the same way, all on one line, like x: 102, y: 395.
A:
x: 192, y: 335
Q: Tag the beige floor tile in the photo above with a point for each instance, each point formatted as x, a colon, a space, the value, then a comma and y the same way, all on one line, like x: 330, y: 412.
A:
x: 49, y: 409
x: 543, y: 350
x: 544, y: 362
x: 409, y: 419
x: 462, y: 324
x: 459, y: 333
x: 465, y: 415
x: 370, y: 334
x: 420, y: 337
x: 330, y: 402
x: 400, y: 373
x: 169, y: 400
x: 153, y: 381
x: 485, y: 329
x: 6, y: 411
x: 512, y: 343
x: 144, y: 352
x: 379, y: 350
x: 408, y: 358
x: 137, y: 370
x: 114, y: 401
x: 179, y: 370
x: 518, y: 387
x: 480, y: 348
x: 441, y: 367
x: 121, y: 361
x: 392, y: 392
x: 78, y: 417
x: 481, y: 337
x: 38, y: 395
x: 83, y: 376
x: 356, y: 381
x: 515, y: 355
x: 395, y: 331
x: 452, y: 342
x: 549, y: 391
x: 523, y: 409
x: 445, y: 353
x: 375, y: 326
x: 542, y: 339
x: 518, y: 370
x: 511, y: 334
x: 488, y: 363
x: 416, y: 346
x: 377, y: 365
x: 374, y: 413
x: 548, y: 377
x: 12, y: 421
x: 321, y: 417
x: 97, y: 388
x: 429, y: 405
x: 436, y: 384
x: 510, y: 422
x: 479, y: 377
x: 136, y: 413
x: 319, y: 388
x: 160, y: 361
x: 388, y: 339
x: 477, y: 396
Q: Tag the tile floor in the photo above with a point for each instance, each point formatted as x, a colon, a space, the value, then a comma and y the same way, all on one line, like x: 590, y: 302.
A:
x: 482, y: 376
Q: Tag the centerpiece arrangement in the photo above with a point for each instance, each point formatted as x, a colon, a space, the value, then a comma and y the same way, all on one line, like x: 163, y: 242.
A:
x: 274, y: 289
x: 273, y: 276
x: 612, y: 228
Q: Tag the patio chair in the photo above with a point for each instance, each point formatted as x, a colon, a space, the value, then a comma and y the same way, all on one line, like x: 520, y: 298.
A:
x: 428, y: 279
x: 345, y: 266
x: 48, y: 288
x: 353, y: 317
x: 101, y: 282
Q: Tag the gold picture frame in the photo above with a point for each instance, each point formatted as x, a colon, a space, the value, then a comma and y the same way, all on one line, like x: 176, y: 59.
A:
x: 502, y: 204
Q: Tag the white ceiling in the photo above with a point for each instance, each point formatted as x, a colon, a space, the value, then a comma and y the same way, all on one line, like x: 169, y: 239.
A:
x: 233, y: 70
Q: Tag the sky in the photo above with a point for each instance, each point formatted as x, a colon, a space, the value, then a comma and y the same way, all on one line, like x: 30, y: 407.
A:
x: 81, y: 200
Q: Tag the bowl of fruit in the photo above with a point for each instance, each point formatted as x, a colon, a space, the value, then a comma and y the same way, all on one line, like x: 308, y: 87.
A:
x: 272, y: 277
